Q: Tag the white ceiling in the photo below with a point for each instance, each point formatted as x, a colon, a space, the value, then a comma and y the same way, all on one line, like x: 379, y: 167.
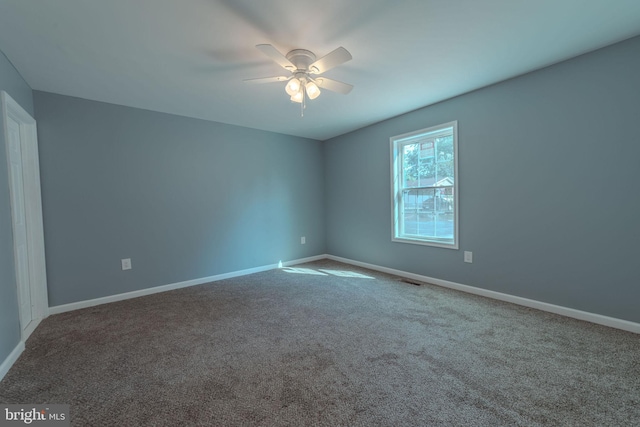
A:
x: 189, y: 57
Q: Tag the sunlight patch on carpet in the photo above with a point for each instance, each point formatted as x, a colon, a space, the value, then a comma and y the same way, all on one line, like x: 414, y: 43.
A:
x: 345, y: 273
x: 303, y: 271
x: 324, y: 272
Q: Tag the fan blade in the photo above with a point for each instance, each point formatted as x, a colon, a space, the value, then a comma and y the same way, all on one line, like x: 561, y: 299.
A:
x: 268, y: 79
x: 276, y: 56
x: 330, y: 60
x: 333, y: 85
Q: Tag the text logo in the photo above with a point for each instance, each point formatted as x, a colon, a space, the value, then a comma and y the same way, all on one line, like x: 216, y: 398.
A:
x: 34, y: 415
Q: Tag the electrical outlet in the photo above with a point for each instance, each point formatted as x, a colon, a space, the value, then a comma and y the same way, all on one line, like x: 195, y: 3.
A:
x: 303, y: 240
x: 126, y: 263
x: 468, y: 256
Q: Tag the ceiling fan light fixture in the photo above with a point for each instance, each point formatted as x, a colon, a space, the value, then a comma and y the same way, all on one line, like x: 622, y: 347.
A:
x: 298, y: 97
x: 293, y: 87
x: 312, y: 90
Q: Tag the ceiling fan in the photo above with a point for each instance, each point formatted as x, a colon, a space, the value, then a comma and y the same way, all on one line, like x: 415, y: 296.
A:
x: 305, y: 72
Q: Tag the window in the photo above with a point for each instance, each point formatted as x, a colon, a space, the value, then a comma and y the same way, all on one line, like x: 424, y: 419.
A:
x: 424, y: 185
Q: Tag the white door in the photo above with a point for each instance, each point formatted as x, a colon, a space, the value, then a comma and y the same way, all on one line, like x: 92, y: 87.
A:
x: 26, y: 213
x: 19, y: 222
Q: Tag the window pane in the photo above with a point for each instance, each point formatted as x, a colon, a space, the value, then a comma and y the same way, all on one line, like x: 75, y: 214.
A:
x: 410, y: 165
x: 410, y: 213
x: 427, y: 162
x: 427, y: 172
x: 445, y: 171
x: 442, y: 213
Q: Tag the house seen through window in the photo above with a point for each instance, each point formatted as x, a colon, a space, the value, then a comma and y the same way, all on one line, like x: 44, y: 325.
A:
x: 424, y: 186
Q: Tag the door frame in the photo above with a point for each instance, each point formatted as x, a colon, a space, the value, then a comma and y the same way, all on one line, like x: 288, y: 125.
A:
x: 32, y: 207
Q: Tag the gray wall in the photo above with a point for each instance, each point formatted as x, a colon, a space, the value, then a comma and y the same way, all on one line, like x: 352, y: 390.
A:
x: 549, y: 186
x: 183, y: 198
x: 12, y: 82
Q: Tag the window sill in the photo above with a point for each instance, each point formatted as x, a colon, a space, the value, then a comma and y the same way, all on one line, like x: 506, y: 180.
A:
x: 432, y: 243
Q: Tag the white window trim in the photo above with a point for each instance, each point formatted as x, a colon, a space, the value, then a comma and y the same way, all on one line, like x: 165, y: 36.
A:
x: 396, y: 169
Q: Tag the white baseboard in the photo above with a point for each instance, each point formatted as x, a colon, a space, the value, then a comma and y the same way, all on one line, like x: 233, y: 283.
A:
x: 11, y: 359
x: 551, y: 308
x: 142, y: 292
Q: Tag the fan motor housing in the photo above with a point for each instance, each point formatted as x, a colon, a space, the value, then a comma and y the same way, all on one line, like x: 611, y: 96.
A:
x: 301, y: 58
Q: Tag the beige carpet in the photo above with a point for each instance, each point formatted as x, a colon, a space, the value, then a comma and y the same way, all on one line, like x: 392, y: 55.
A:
x: 327, y: 344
